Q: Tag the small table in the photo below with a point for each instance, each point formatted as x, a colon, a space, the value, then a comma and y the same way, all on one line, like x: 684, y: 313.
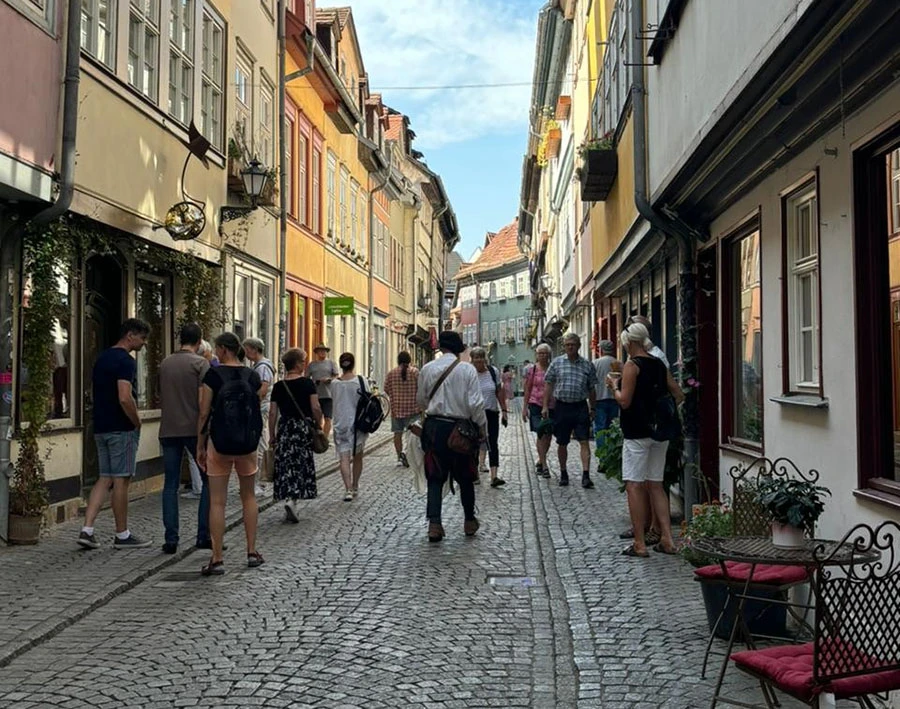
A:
x: 814, y: 554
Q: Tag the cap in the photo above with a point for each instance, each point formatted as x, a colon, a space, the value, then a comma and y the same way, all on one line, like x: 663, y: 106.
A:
x: 451, y: 341
x: 321, y: 346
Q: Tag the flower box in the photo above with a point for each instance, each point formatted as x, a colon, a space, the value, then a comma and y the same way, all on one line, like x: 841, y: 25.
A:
x: 235, y: 181
x: 598, y: 174
x: 563, y: 107
x: 554, y: 139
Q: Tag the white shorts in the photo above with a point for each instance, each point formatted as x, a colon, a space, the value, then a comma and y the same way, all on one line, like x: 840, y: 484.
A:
x: 643, y: 459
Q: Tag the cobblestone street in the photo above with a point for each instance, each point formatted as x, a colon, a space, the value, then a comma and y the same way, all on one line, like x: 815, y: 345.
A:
x: 354, y: 608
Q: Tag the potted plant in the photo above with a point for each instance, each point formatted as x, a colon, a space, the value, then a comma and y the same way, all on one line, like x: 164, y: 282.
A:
x: 28, y: 491
x: 599, y: 166
x: 793, y: 506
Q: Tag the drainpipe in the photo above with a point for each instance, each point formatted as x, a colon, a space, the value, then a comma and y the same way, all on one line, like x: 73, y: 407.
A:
x: 686, y: 240
x: 282, y: 180
x: 381, y: 185
x: 434, y: 219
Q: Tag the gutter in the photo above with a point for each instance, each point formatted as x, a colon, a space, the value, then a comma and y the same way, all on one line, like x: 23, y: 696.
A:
x: 384, y: 181
x: 283, y: 167
x: 335, y: 80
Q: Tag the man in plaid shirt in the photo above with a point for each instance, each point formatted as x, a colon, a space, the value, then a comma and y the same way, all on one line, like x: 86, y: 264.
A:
x: 570, y: 378
x: 401, y: 385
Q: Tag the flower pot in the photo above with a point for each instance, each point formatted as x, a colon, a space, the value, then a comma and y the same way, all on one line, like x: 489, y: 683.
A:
x: 598, y: 174
x: 24, y: 530
x: 787, y: 536
x: 761, y: 618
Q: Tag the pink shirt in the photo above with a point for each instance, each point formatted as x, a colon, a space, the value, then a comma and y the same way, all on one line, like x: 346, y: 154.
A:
x: 535, y: 375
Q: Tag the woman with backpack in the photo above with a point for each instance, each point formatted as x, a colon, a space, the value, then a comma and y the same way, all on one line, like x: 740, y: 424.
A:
x: 348, y: 441
x: 644, y: 381
x: 228, y: 436
x: 495, y: 409
x: 294, y: 398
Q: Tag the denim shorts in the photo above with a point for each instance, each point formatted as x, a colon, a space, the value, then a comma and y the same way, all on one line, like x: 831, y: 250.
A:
x: 117, y: 453
x: 398, y: 425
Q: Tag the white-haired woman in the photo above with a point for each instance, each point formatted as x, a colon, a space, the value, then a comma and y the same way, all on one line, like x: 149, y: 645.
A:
x: 534, y: 401
x: 644, y: 379
x: 496, y: 409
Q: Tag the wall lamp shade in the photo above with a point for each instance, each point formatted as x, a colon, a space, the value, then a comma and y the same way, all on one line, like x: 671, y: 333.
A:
x: 255, y: 177
x: 425, y: 302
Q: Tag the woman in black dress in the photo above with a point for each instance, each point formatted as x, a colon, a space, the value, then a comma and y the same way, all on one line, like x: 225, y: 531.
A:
x: 295, y: 399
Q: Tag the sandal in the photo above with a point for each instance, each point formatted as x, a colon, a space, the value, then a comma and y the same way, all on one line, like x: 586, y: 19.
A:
x: 213, y: 568
x: 255, y: 559
x: 631, y: 551
x: 652, y: 538
x: 662, y: 550
x: 627, y: 534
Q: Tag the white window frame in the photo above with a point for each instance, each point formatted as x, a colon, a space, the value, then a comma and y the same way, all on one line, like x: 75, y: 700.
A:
x: 143, y: 47
x: 363, y: 232
x: 331, y: 197
x: 212, y: 76
x: 266, y: 147
x: 354, y: 216
x: 502, y: 332
x: 254, y: 279
x: 182, y: 60
x: 243, y: 98
x: 91, y: 31
x: 342, y: 204
x: 894, y: 190
x: 801, y: 207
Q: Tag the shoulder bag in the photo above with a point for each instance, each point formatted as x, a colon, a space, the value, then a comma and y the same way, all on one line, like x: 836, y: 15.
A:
x: 319, y: 439
x: 465, y: 438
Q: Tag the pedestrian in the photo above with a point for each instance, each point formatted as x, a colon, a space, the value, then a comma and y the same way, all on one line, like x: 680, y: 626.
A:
x: 228, y: 437
x: 348, y: 442
x: 401, y: 386
x: 322, y: 371
x: 644, y: 379
x: 495, y: 410
x: 295, y: 406
x: 607, y: 410
x: 117, y: 431
x: 570, y: 378
x: 206, y: 351
x: 534, y: 400
x: 254, y: 349
x: 450, y: 396
x: 509, y: 384
x: 180, y: 377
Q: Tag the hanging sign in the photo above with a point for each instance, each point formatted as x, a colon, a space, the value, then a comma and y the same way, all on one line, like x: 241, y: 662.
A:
x: 339, y: 306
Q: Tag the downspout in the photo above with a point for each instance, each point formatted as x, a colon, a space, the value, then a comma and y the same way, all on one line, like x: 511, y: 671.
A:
x: 687, y: 281
x: 284, y: 308
x: 439, y: 300
x: 372, y: 193
x: 413, y: 289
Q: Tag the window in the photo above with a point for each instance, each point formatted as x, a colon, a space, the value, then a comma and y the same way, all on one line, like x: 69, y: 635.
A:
x: 97, y: 23
x: 263, y: 302
x: 43, y: 12
x: 240, y: 306
x: 522, y: 283
x: 243, y: 93
x: 742, y: 350
x: 511, y: 329
x: 801, y: 221
x: 316, y: 197
x: 153, y: 308
x: 291, y: 167
x: 615, y: 81
x: 520, y: 329
x: 317, y: 321
x: 253, y: 306
x: 345, y: 221
x: 894, y: 191
x: 143, y: 47
x: 332, y: 167
x: 266, y: 151
x: 354, y: 217
x: 503, y: 330
x: 302, y: 178
x: 181, y: 60
x: 495, y: 327
x: 212, y: 74
x: 485, y: 333
x: 363, y: 234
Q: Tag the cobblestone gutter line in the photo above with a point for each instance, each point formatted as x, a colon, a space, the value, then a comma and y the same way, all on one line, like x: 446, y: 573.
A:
x: 44, y: 631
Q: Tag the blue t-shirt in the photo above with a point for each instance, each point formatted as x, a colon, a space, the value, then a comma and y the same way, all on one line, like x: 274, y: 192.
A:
x: 111, y: 366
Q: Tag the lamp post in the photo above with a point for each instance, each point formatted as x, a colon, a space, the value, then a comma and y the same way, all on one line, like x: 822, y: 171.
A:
x: 255, y: 177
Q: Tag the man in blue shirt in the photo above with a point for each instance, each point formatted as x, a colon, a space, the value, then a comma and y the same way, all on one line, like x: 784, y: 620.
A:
x: 117, y: 430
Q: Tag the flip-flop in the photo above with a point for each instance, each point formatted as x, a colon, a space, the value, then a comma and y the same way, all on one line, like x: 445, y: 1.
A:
x: 213, y: 568
x: 631, y: 551
x: 662, y: 550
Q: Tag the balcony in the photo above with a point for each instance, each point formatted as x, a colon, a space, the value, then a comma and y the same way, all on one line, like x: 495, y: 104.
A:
x: 598, y: 174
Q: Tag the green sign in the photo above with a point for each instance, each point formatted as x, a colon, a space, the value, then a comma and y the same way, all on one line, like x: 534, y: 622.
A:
x: 339, y: 306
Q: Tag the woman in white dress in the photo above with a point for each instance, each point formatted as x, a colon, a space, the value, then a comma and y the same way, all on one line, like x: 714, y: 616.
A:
x: 345, y: 392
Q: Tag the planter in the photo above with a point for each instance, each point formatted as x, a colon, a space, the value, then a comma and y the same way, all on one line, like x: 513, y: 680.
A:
x: 554, y: 139
x: 235, y: 181
x: 786, y: 536
x: 24, y: 530
x: 761, y: 618
x: 598, y: 174
x: 563, y: 106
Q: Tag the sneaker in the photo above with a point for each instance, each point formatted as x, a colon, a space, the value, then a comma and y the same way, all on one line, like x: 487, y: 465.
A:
x: 497, y: 482
x: 348, y: 496
x: 403, y: 460
x: 545, y: 473
x: 290, y: 514
x: 435, y: 531
x: 470, y: 526
x: 132, y: 542
x: 586, y: 482
x: 563, y: 479
x: 191, y: 495
x: 538, y: 469
x: 87, y: 541
x: 169, y: 548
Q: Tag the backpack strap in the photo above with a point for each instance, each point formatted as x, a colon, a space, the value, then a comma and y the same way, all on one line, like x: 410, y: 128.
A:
x: 444, y: 375
x: 491, y: 369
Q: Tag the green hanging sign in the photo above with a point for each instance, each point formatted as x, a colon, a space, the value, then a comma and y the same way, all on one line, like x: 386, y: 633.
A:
x: 339, y: 306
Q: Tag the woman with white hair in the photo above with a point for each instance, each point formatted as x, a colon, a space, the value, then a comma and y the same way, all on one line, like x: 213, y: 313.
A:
x: 534, y: 400
x: 644, y: 380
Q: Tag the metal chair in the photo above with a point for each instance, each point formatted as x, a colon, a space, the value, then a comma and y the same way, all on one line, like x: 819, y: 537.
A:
x: 855, y: 652
x: 750, y: 520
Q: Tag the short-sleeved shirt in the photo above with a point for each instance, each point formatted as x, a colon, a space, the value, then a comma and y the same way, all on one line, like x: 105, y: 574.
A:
x: 402, y: 392
x: 180, y: 376
x: 489, y: 389
x: 266, y: 372
x: 572, y: 380
x: 112, y: 366
x: 302, y: 388
x: 602, y: 367
x: 322, y: 370
x: 216, y: 377
x: 536, y: 375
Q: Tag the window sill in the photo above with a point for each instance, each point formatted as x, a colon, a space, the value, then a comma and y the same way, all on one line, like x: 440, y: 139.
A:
x: 741, y: 448
x: 809, y: 401
x: 871, y: 494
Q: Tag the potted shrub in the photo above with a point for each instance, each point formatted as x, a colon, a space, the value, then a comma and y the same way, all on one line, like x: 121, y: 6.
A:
x: 28, y: 491
x: 599, y: 166
x: 793, y: 506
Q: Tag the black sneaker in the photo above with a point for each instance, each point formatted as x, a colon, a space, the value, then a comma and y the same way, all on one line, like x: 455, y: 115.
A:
x: 208, y: 545
x: 131, y: 542
x: 169, y: 548
x: 545, y: 473
x: 497, y: 482
x: 586, y: 482
x: 563, y: 479
x: 538, y: 469
x: 87, y: 541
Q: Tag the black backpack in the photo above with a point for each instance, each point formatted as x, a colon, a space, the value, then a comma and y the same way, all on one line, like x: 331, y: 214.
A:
x: 236, y: 421
x: 370, y: 411
x: 663, y: 420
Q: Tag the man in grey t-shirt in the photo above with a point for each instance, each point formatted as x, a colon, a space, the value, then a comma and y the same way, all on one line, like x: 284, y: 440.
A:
x: 607, y: 410
x: 322, y: 370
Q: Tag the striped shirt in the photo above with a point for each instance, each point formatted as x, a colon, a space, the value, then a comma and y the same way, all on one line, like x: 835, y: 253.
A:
x: 572, y: 380
x: 489, y: 389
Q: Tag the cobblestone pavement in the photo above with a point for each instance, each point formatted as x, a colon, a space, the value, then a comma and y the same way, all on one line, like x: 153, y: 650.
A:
x: 354, y: 608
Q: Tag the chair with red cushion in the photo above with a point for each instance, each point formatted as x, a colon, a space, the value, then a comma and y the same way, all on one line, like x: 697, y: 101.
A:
x: 750, y: 520
x: 855, y: 651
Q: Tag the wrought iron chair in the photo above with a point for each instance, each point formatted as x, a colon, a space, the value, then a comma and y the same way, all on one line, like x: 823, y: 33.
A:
x: 750, y: 520
x: 855, y: 652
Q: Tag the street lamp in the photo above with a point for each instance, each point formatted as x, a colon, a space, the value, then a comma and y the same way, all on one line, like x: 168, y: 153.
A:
x: 255, y: 178
x: 425, y: 302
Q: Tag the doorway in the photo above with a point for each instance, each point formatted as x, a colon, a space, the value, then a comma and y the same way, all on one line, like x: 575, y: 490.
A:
x: 104, y: 311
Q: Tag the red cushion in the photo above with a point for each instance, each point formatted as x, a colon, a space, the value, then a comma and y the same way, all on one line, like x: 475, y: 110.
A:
x: 768, y: 574
x: 790, y: 668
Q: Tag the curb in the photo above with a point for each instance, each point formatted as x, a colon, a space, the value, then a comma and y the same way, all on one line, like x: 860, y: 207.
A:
x: 47, y: 630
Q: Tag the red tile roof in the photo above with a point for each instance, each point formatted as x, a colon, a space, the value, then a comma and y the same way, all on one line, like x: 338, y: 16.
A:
x: 502, y: 249
x: 395, y: 126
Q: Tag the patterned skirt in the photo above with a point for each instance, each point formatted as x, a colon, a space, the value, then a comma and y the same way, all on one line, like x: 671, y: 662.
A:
x: 295, y: 467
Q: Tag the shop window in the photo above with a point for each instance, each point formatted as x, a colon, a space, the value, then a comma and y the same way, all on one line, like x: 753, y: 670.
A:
x: 153, y: 306
x: 253, y: 307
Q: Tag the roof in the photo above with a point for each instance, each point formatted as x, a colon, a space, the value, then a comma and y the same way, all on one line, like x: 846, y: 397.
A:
x: 502, y: 250
x: 395, y: 126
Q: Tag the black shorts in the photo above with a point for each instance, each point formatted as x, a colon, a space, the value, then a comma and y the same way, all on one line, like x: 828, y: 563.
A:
x: 571, y: 420
x: 327, y: 407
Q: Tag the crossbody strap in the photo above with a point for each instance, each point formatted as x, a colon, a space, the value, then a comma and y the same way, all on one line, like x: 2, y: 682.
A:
x: 293, y: 399
x: 441, y: 379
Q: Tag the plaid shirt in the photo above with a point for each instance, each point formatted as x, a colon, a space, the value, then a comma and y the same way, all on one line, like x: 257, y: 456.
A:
x: 402, y: 393
x: 572, y: 381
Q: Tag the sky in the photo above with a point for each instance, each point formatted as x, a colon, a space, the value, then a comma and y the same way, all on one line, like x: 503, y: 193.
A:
x: 474, y: 138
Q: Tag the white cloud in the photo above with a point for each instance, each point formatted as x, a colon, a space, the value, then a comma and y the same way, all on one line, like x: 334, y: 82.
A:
x: 446, y: 43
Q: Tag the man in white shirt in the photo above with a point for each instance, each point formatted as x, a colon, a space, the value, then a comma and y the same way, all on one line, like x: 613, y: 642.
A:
x: 447, y: 396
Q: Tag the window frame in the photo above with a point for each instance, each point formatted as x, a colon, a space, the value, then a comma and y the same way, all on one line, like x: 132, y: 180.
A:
x: 316, y: 197
x: 266, y: 116
x: 290, y: 131
x: 254, y: 278
x: 186, y: 59
x: 208, y: 79
x: 303, y: 144
x: 91, y: 46
x: 165, y: 281
x: 331, y: 196
x: 139, y: 57
x: 243, y: 97
x: 44, y: 17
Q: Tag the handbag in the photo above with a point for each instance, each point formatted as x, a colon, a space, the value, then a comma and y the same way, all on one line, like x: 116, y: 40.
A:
x: 319, y: 439
x: 465, y: 438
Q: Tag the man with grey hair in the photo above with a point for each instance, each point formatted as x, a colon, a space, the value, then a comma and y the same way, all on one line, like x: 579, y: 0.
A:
x: 254, y: 349
x: 571, y: 380
x: 607, y: 409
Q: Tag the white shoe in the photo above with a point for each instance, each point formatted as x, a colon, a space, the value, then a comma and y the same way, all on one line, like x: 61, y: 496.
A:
x: 259, y: 491
x: 348, y: 496
x: 191, y: 495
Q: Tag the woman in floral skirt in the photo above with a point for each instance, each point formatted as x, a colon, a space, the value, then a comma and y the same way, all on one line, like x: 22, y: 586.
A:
x: 295, y: 399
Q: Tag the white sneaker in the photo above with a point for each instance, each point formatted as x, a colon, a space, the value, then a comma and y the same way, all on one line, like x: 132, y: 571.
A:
x: 191, y: 495
x: 348, y: 496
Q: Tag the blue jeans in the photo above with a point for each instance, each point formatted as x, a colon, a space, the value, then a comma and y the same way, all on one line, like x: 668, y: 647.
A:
x: 173, y: 450
x: 605, y: 412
